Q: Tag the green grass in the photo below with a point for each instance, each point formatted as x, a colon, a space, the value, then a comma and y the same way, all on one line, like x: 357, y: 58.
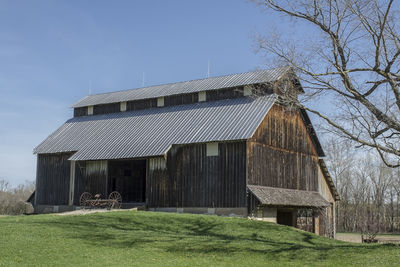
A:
x: 165, y: 239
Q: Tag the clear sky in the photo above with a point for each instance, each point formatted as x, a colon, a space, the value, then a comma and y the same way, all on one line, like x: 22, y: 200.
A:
x: 50, y: 51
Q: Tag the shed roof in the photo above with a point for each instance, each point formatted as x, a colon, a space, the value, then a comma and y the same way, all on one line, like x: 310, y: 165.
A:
x: 287, y: 197
x: 151, y: 132
x: 214, y: 83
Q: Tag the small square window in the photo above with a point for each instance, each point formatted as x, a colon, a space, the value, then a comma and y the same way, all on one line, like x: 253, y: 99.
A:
x: 123, y: 106
x: 90, y: 110
x: 160, y: 102
x: 212, y: 149
x: 202, y: 96
x: 247, y: 90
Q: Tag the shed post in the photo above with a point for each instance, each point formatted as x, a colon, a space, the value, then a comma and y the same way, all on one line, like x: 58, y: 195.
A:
x: 71, y: 184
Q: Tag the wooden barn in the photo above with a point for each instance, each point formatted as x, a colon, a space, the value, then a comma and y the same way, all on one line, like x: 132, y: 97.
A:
x: 221, y: 145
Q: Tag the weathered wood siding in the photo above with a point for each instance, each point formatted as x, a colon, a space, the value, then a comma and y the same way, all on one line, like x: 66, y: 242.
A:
x: 96, y: 177
x: 174, y: 100
x: 228, y: 93
x: 281, y: 153
x: 106, y: 108
x: 52, y: 179
x: 141, y: 104
x: 91, y: 176
x: 80, y: 167
x: 83, y: 111
x: 190, y: 178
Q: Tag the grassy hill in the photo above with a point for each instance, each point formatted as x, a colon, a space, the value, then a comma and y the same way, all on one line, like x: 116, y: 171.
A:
x: 167, y: 239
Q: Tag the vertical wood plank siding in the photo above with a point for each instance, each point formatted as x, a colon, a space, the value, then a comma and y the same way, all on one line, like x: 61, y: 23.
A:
x: 106, y: 108
x: 96, y: 177
x: 141, y: 104
x: 281, y: 153
x: 52, y: 179
x: 228, y: 93
x: 80, y: 167
x: 83, y: 111
x: 192, y: 179
x: 174, y: 100
x: 90, y: 176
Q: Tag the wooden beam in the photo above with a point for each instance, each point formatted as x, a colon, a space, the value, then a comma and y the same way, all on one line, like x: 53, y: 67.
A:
x: 71, y: 184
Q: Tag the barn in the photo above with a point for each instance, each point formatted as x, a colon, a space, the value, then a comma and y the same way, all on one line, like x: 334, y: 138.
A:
x: 223, y: 145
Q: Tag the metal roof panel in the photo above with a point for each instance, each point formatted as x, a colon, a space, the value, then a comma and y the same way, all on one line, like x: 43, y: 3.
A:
x: 214, y: 83
x: 151, y: 132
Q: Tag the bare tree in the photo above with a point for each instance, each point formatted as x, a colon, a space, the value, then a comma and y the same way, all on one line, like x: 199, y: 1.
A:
x: 353, y: 58
x: 13, y: 199
x: 4, y: 185
x: 340, y: 163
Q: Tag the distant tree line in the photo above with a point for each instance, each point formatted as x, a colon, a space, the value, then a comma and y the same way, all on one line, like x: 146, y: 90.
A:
x: 369, y: 190
x: 13, y: 199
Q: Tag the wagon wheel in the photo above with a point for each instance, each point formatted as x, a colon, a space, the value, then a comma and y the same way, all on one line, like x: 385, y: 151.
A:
x: 84, y: 200
x: 116, y: 200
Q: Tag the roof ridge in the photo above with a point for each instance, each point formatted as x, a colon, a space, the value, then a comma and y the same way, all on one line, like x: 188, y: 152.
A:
x: 219, y: 76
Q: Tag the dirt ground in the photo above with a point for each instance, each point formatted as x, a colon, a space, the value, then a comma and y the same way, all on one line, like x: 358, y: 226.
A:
x: 88, y: 211
x: 356, y: 238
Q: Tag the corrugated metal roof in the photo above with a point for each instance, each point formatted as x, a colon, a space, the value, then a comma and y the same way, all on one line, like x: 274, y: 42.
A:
x: 214, y: 83
x: 287, y: 197
x: 151, y: 132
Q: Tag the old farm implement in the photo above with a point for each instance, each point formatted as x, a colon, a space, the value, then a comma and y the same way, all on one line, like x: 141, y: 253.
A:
x: 88, y: 201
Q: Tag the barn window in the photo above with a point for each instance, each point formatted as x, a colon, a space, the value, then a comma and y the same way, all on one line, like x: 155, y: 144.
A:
x: 212, y: 149
x: 90, y: 110
x: 247, y: 90
x: 202, y: 96
x: 123, y: 106
x: 160, y: 102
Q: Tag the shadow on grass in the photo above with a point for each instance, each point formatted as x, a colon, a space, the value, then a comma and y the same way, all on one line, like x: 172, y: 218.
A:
x: 197, y: 234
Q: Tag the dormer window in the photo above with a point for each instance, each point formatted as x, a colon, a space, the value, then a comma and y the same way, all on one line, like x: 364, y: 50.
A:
x: 123, y: 106
x: 90, y: 110
x: 202, y: 96
x: 160, y: 102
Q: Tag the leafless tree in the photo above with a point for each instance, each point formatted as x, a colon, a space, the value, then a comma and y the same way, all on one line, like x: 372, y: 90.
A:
x: 350, y: 56
x: 13, y: 199
x: 340, y: 163
x: 4, y: 185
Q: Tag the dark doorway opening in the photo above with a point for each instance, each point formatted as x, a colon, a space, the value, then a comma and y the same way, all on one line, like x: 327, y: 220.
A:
x: 285, y: 218
x: 128, y: 177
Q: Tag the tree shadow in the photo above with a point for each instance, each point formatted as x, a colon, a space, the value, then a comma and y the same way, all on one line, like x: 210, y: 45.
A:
x: 199, y: 235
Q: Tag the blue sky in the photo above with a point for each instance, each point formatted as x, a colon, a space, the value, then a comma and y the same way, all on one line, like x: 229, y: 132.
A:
x: 51, y: 50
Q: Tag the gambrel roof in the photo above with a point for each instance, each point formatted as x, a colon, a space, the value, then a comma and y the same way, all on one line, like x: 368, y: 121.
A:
x: 151, y: 132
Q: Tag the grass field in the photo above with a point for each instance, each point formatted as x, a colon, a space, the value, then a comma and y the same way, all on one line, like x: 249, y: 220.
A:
x: 166, y: 239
